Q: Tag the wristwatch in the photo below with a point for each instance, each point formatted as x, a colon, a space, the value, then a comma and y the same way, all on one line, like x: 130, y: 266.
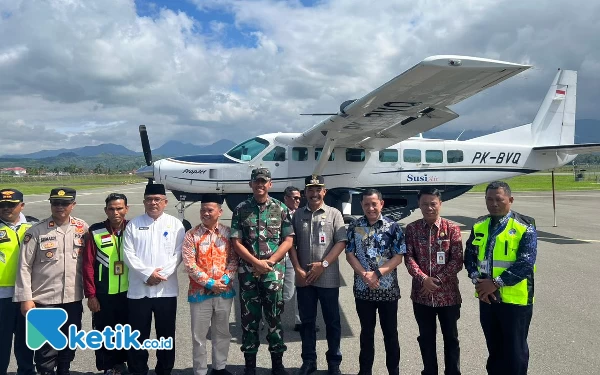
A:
x: 378, y: 273
x: 325, y: 263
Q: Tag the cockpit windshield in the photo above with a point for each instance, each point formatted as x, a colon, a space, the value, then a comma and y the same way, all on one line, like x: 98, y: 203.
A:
x: 248, y: 150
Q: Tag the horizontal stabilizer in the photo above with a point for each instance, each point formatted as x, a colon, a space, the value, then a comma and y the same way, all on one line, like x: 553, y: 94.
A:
x: 584, y: 148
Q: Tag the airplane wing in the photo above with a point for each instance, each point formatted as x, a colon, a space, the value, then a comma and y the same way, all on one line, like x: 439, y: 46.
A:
x: 583, y: 148
x: 411, y: 103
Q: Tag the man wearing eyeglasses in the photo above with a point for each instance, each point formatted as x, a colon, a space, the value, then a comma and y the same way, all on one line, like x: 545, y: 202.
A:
x: 50, y: 273
x: 291, y: 198
x: 12, y: 231
x: 152, y: 251
x: 105, y: 279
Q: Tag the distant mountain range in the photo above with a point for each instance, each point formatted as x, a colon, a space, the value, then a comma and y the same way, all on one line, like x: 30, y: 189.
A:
x: 169, y: 149
x: 586, y: 131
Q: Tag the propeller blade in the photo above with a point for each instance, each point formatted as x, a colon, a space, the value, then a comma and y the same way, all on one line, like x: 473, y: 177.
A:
x: 146, y: 145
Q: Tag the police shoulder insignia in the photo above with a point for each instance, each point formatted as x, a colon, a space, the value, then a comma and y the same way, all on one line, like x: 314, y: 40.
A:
x: 51, y: 224
x: 26, y: 238
x: 49, y: 254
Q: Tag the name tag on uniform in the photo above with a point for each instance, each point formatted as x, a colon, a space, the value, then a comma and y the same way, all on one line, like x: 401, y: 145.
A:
x: 322, y: 238
x: 144, y: 228
x: 484, y: 267
x: 119, y: 268
x: 441, y: 257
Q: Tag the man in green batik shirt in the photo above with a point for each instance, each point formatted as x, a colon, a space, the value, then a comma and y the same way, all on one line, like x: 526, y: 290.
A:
x: 261, y: 234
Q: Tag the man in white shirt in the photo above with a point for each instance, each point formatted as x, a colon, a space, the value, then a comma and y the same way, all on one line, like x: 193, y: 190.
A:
x: 152, y: 251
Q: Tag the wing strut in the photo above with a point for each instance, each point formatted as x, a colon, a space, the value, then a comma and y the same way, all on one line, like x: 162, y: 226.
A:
x: 325, y: 154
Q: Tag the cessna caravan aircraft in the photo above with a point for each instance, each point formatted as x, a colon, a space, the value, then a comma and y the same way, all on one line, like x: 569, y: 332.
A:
x: 375, y: 142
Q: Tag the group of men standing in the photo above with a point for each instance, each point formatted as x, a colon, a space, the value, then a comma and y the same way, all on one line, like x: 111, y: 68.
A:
x: 127, y: 270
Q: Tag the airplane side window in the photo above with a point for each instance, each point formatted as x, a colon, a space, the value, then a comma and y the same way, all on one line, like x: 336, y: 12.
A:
x: 434, y: 156
x: 411, y: 156
x: 276, y: 154
x: 355, y: 154
x: 318, y: 154
x: 389, y: 155
x: 300, y: 153
x: 454, y: 156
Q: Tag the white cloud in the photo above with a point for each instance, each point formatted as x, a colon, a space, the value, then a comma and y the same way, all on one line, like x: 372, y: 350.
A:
x: 88, y: 73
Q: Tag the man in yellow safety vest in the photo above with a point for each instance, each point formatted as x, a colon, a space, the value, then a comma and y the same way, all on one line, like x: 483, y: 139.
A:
x: 500, y: 259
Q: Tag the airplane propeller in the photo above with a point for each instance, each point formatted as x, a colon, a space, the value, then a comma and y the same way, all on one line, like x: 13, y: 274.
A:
x: 145, y: 171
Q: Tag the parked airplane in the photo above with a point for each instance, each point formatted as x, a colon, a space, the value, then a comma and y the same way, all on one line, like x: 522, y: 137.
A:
x: 375, y: 142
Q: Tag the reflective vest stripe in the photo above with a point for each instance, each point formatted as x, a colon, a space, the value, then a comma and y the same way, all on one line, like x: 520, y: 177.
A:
x: 502, y: 263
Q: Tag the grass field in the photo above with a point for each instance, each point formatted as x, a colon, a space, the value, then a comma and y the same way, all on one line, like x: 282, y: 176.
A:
x: 42, y: 185
x: 543, y: 182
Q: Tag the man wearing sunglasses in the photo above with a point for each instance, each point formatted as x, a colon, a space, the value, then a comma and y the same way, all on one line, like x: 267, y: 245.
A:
x: 12, y: 231
x: 291, y: 198
x: 50, y: 273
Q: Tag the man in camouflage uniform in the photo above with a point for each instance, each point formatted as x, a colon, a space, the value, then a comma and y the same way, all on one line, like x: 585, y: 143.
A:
x: 261, y: 234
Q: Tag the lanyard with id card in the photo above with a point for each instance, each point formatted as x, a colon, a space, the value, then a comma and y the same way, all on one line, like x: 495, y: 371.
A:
x: 118, y: 266
x: 322, y: 235
x: 440, y: 255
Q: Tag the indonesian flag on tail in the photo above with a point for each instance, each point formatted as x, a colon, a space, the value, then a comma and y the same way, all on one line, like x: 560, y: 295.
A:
x: 560, y: 94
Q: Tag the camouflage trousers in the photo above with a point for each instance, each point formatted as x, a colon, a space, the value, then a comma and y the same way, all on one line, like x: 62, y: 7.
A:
x: 257, y: 297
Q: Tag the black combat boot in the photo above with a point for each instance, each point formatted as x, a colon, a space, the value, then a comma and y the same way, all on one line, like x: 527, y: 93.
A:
x: 250, y: 368
x: 277, y: 364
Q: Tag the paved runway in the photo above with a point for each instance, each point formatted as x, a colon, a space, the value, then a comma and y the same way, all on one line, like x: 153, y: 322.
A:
x: 565, y: 332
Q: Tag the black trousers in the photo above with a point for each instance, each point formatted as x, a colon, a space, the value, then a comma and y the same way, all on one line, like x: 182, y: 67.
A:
x: 12, y: 322
x: 505, y: 327
x: 140, y: 318
x: 113, y: 311
x: 426, y: 320
x: 308, y: 297
x: 388, y: 318
x: 47, y: 358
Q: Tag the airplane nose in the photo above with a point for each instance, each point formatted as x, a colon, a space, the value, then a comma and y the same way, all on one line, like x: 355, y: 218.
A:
x: 146, y: 171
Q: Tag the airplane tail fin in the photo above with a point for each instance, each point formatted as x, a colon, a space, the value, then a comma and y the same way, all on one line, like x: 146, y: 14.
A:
x: 554, y: 124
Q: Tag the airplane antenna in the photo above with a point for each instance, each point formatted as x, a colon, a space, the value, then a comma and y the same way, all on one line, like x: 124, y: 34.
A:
x: 461, y: 133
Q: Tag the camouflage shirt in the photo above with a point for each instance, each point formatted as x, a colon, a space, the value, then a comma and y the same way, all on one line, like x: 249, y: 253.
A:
x: 261, y: 228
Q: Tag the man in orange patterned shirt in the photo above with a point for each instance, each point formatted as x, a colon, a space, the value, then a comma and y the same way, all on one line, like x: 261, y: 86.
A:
x: 211, y: 264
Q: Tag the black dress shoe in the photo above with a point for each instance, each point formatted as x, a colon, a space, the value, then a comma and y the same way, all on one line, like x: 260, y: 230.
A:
x: 308, y: 367
x: 334, y: 370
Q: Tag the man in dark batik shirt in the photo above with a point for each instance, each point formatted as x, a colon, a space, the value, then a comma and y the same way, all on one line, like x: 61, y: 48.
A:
x: 374, y: 250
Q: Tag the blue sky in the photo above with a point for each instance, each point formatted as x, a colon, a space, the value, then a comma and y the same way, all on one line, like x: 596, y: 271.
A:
x: 204, y: 70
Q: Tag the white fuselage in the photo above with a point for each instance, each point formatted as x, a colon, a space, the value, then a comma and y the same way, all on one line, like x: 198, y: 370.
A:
x: 414, y: 162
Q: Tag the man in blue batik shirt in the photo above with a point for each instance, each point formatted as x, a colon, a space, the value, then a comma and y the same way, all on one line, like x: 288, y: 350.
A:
x: 374, y: 250
x: 500, y: 260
